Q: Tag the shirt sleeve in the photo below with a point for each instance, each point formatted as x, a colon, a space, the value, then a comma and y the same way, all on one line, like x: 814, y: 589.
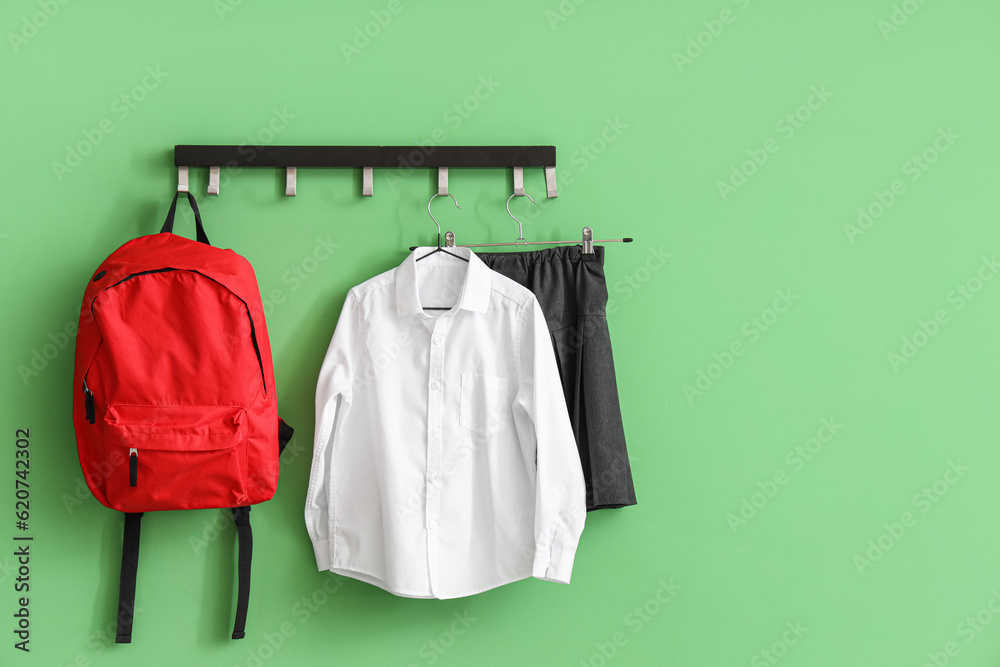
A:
x: 333, y: 402
x: 560, y: 493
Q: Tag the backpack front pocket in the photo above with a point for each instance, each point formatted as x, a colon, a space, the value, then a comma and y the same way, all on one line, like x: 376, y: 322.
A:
x: 174, y: 456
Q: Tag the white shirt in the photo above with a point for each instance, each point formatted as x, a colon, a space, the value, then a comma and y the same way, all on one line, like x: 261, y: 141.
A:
x: 444, y: 463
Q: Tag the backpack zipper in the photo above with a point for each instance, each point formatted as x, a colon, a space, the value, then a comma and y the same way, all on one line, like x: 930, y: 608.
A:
x: 133, y: 466
x: 88, y: 401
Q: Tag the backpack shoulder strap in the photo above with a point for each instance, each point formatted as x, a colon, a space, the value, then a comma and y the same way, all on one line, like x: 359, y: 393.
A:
x: 241, y: 516
x: 130, y: 566
x: 126, y: 586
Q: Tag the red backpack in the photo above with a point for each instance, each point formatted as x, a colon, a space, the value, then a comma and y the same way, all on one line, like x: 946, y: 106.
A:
x: 174, y: 404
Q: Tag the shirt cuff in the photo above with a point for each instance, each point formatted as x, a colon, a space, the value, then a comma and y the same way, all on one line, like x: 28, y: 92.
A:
x: 322, y: 551
x: 553, y: 565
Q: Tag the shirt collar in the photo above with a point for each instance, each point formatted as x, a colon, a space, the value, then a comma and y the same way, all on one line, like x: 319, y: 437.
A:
x: 475, y: 295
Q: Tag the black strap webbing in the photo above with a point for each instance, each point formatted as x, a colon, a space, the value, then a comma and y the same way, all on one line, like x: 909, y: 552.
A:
x: 168, y: 225
x: 285, y: 433
x: 126, y: 586
x: 241, y: 516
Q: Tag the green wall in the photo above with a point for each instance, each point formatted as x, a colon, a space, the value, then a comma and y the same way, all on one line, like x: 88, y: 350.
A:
x: 804, y: 329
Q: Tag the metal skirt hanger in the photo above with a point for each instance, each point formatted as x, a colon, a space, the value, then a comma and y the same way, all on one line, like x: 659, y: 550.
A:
x: 588, y: 233
x: 587, y: 241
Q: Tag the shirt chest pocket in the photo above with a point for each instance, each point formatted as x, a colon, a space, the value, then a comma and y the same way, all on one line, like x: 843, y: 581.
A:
x: 484, y: 403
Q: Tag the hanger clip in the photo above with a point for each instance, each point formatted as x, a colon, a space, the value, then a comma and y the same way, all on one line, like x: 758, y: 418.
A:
x: 182, y: 179
x: 550, y: 182
x: 290, y: 181
x: 588, y: 241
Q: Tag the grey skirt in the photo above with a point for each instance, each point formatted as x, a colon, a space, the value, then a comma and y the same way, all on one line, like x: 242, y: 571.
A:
x: 572, y: 292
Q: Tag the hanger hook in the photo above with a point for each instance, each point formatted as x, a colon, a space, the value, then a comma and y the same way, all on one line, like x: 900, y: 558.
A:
x: 520, y: 232
x: 432, y: 215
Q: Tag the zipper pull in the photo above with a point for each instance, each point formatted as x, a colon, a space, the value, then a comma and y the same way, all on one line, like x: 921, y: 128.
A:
x: 133, y: 466
x: 88, y: 402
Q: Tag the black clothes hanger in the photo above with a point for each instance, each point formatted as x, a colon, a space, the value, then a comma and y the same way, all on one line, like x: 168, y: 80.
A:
x: 451, y: 240
x: 439, y: 248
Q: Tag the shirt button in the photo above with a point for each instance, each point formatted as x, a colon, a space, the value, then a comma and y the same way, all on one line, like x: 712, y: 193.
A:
x: 432, y: 525
x: 435, y: 432
x: 435, y: 477
x: 437, y: 340
x: 435, y: 386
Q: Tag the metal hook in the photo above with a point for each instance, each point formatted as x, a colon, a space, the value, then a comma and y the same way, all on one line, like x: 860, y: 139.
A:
x: 435, y: 219
x: 520, y: 231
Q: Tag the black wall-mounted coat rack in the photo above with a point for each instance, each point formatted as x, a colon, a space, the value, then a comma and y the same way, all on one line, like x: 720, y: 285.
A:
x: 366, y: 158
